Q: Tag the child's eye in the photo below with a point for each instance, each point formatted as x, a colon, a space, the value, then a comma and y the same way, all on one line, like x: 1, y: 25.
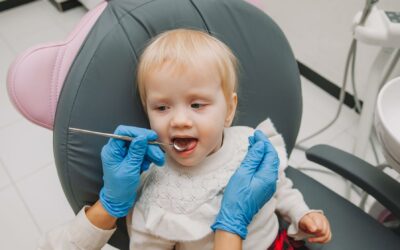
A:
x: 196, y: 105
x: 161, y: 108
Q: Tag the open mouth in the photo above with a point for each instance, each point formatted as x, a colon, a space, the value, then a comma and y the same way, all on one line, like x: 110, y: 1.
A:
x: 185, y: 144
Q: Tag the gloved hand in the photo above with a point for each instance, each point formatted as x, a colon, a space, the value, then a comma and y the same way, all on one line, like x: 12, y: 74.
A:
x: 122, y: 166
x: 252, y: 185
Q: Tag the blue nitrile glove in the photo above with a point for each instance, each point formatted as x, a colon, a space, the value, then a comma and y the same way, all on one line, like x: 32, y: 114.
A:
x: 122, y: 166
x: 252, y: 185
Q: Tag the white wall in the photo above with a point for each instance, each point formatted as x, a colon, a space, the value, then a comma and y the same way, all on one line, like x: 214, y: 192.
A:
x: 319, y: 32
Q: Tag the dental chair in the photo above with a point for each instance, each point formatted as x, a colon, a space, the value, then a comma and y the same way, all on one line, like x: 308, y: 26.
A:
x: 88, y: 81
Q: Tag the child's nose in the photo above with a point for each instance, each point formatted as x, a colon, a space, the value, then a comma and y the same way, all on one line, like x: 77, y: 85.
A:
x: 181, y: 119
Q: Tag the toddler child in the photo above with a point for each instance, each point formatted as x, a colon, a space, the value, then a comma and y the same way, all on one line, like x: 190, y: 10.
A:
x: 187, y: 82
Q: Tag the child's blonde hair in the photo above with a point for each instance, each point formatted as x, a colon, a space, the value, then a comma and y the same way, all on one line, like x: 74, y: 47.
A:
x: 183, y: 49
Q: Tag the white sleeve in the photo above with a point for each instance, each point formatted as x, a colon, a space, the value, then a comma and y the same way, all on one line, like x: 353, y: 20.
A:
x: 77, y: 234
x: 289, y: 201
x: 145, y: 241
x: 291, y: 205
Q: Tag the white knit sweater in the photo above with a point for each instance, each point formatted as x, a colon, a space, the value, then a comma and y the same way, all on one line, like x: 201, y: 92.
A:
x: 176, y: 206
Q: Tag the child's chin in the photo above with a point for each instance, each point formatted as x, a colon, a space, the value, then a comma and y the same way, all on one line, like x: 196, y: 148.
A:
x: 187, y: 163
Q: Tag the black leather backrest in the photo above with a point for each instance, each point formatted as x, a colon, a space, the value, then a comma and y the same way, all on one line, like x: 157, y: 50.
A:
x: 99, y: 92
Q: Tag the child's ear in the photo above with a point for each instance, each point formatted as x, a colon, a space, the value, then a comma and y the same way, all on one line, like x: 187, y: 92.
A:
x: 231, y: 110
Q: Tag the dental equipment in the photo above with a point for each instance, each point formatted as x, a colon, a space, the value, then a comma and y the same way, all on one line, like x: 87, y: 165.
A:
x: 387, y: 122
x: 126, y: 138
x: 381, y: 28
x: 376, y: 27
x: 350, y: 59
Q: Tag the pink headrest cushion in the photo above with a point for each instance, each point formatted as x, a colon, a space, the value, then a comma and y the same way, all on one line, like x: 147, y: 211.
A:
x: 36, y: 77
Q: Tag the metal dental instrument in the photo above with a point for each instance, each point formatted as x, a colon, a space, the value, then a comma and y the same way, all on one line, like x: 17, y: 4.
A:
x: 125, y: 138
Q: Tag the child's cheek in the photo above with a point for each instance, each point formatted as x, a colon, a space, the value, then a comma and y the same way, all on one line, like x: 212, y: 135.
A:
x: 160, y: 127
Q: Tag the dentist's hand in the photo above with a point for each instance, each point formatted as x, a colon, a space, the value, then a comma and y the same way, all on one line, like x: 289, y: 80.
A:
x: 122, y: 166
x: 252, y: 185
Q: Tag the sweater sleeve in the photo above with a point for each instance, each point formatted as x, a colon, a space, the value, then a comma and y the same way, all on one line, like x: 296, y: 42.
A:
x: 289, y: 201
x: 77, y: 234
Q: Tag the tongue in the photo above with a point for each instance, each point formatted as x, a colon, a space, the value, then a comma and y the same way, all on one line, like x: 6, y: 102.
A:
x: 186, y: 143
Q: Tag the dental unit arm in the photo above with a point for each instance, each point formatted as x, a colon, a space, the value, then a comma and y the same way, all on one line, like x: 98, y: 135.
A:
x: 377, y: 27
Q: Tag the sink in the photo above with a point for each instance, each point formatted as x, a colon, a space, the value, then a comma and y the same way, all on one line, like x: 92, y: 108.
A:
x: 387, y: 122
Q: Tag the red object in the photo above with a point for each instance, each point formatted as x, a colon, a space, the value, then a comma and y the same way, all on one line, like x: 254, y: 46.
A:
x: 284, y: 242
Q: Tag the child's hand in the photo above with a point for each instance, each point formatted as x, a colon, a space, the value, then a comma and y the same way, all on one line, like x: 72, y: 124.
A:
x: 318, y: 225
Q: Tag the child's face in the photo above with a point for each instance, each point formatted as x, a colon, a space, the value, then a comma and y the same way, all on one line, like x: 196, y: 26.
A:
x: 189, y: 108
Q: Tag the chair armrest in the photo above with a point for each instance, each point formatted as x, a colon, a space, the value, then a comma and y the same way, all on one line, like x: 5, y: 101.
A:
x: 372, y: 180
